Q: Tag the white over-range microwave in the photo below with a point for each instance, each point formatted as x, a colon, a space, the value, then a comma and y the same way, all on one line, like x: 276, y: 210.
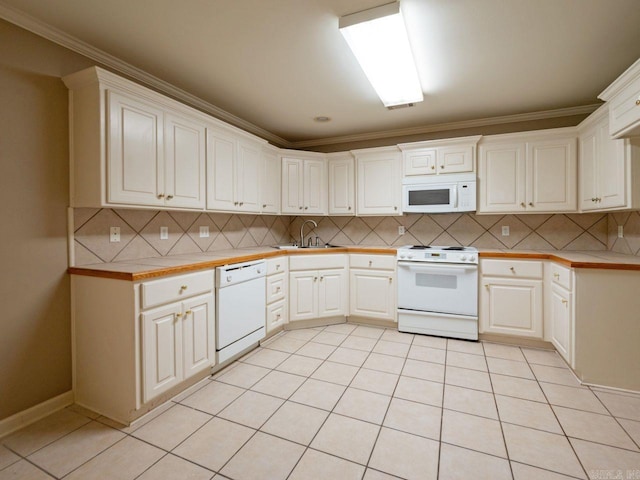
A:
x: 439, y: 194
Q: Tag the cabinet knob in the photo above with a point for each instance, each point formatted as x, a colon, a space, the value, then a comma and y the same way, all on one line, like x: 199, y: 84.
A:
x: 277, y: 289
x: 441, y: 167
x: 395, y: 208
x: 522, y: 205
x: 188, y: 312
x: 321, y: 278
x: 593, y: 199
x: 564, y: 301
x: 235, y: 203
x: 349, y: 208
x: 169, y: 197
x: 390, y: 279
x: 161, y: 195
x: 306, y: 208
x: 178, y: 315
x: 556, y: 275
x: 183, y: 287
x: 531, y: 204
x: 301, y: 208
x: 638, y: 101
x: 433, y: 167
x: 512, y: 269
x: 315, y: 279
x: 598, y: 199
x: 278, y: 316
x: 264, y: 205
x: 277, y: 266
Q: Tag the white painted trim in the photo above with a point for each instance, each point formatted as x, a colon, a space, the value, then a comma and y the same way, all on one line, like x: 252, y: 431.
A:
x: 35, y: 413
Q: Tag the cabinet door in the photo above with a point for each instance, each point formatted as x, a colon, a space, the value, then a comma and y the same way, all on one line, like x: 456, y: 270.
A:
x: 332, y: 293
x: 511, y: 306
x: 561, y: 322
x: 184, y: 162
x: 341, y: 187
x: 303, y: 295
x: 135, y: 163
x: 552, y: 176
x: 198, y: 330
x: 315, y: 187
x: 292, y: 185
x: 455, y: 159
x: 162, y: 365
x: 588, y: 170
x: 221, y: 164
x: 248, y: 178
x: 372, y: 293
x: 502, y: 178
x: 379, y: 187
x: 270, y: 188
x: 611, y: 164
x: 420, y: 162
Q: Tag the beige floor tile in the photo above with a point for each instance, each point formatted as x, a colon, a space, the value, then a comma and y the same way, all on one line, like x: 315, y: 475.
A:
x: 363, y: 405
x: 561, y: 376
x: 267, y: 358
x: 330, y: 338
x: 623, y: 406
x: 423, y: 370
x: 476, y: 433
x: 527, y: 472
x: 427, y: 354
x: 510, y: 368
x: 462, y: 464
x: 368, y: 332
x: 213, y: 397
x: 23, y: 470
x: 422, y: 391
x: 125, y: 460
x: 264, y: 456
x: 317, y: 465
x: 69, y: 452
x: 384, y: 363
x: 405, y: 455
x: 318, y: 394
x: 45, y: 431
x: 527, y: 414
x: 466, y: 360
x: 251, y: 409
x: 465, y: 346
x: 465, y: 377
x: 598, y: 459
x: 429, y: 341
x: 316, y: 350
x: 299, y: 365
x: 359, y: 343
x: 593, y: 427
x: 244, y: 375
x: 279, y: 384
x: 549, y: 358
x: 396, y: 336
x: 347, y: 438
x: 285, y: 344
x: 414, y: 417
x: 174, y: 468
x: 470, y: 401
x: 172, y: 427
x: 227, y: 437
x: 335, y: 373
x: 375, y: 381
x: 541, y: 449
x: 632, y: 428
x: 224, y: 371
x: 506, y: 352
x: 517, y: 387
x: 391, y: 348
x: 343, y: 328
x: 305, y: 334
x: 191, y: 390
x: 295, y: 422
x: 348, y: 356
x: 7, y: 457
x: 578, y: 398
x: 371, y: 474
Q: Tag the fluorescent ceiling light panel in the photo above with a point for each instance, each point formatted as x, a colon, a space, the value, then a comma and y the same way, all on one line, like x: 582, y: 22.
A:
x: 378, y: 39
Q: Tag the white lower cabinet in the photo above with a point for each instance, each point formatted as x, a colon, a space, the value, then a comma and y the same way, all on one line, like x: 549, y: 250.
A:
x: 561, y: 310
x: 372, y: 286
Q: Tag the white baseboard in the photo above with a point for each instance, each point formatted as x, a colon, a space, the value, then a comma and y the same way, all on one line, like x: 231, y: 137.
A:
x: 35, y: 413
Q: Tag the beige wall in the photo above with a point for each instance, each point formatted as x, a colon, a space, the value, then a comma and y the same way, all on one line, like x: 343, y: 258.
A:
x: 35, y: 355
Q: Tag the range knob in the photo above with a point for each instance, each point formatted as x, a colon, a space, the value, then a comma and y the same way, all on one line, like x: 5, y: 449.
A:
x: 410, y: 256
x: 463, y: 258
x: 472, y: 258
x: 402, y: 255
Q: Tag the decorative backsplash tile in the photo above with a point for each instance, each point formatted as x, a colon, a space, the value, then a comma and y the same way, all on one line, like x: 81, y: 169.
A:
x: 630, y: 242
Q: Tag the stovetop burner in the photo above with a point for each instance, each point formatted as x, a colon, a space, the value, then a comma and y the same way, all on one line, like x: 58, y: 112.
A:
x: 419, y: 247
x: 454, y: 248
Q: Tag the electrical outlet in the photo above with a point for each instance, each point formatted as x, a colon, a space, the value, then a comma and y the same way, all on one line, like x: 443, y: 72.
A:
x: 204, y: 231
x: 620, y: 231
x: 401, y: 230
x: 114, y: 234
x: 164, y: 233
x: 505, y: 230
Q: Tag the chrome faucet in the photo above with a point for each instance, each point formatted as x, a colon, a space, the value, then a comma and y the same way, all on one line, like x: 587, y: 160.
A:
x: 302, y: 228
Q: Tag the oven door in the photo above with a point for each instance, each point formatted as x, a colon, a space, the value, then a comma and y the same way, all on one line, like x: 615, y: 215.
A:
x: 435, y: 198
x: 438, y: 287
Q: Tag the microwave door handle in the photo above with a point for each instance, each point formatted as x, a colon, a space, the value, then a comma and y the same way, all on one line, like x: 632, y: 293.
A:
x: 454, y: 194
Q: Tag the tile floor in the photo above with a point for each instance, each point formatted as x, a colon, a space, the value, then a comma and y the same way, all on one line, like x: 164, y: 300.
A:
x: 354, y: 402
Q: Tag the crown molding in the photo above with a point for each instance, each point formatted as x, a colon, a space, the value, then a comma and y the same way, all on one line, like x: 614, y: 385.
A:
x: 441, y: 127
x: 42, y: 29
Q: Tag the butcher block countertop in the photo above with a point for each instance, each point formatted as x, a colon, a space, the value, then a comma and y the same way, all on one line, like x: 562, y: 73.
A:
x: 154, y: 267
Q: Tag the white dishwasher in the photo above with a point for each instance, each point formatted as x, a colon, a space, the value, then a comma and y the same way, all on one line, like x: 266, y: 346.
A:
x: 240, y: 307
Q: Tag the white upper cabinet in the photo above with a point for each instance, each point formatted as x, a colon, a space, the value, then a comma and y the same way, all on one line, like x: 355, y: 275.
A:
x: 304, y: 184
x: 342, y: 199
x: 623, y: 99
x: 379, y: 184
x: 270, y: 181
x: 435, y: 157
x: 528, y: 173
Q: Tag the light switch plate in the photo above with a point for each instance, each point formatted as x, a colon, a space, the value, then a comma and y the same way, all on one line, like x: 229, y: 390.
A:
x: 164, y: 233
x: 505, y: 230
x: 204, y: 231
x: 620, y: 231
x: 114, y: 234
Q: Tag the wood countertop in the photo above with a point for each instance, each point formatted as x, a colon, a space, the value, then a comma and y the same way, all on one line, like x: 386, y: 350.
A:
x: 155, y: 267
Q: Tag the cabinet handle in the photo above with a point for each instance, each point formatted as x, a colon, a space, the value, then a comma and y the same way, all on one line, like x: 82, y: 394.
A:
x: 349, y: 208
x: 441, y: 167
x: 638, y: 101
x: 556, y: 275
x: 235, y: 203
x: 277, y: 289
x: 593, y: 199
x: 301, y: 208
x: 178, y: 315
x: 370, y: 262
x: 188, y: 312
x: 433, y: 167
x: 321, y: 278
x: 183, y: 287
x: 277, y: 266
x: 390, y: 279
x: 531, y: 204
x: 564, y: 301
x: 598, y: 199
x: 522, y: 205
x: 513, y: 270
x: 241, y: 203
x: 395, y: 208
x: 315, y: 279
x: 278, y: 316
x: 306, y: 208
x: 161, y: 195
x: 486, y: 285
x: 169, y: 197
x: 264, y: 205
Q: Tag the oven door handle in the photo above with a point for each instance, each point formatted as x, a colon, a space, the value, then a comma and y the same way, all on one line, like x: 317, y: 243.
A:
x: 437, y: 267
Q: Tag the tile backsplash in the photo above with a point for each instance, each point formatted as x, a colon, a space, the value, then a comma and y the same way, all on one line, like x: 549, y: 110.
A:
x: 140, y: 232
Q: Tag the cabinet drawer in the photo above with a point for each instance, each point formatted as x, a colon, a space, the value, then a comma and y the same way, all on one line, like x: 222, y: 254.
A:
x: 378, y: 262
x: 276, y: 315
x: 624, y: 112
x: 561, y: 276
x: 172, y: 289
x: 276, y: 287
x: 277, y: 265
x: 317, y: 262
x: 512, y: 268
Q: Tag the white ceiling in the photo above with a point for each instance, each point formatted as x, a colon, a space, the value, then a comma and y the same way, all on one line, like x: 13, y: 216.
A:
x: 279, y: 63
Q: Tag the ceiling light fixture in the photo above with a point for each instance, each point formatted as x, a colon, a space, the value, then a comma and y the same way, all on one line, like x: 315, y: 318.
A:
x: 378, y: 39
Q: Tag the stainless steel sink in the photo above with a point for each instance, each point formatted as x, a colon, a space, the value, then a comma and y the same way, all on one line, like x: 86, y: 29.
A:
x: 313, y: 247
x: 322, y: 247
